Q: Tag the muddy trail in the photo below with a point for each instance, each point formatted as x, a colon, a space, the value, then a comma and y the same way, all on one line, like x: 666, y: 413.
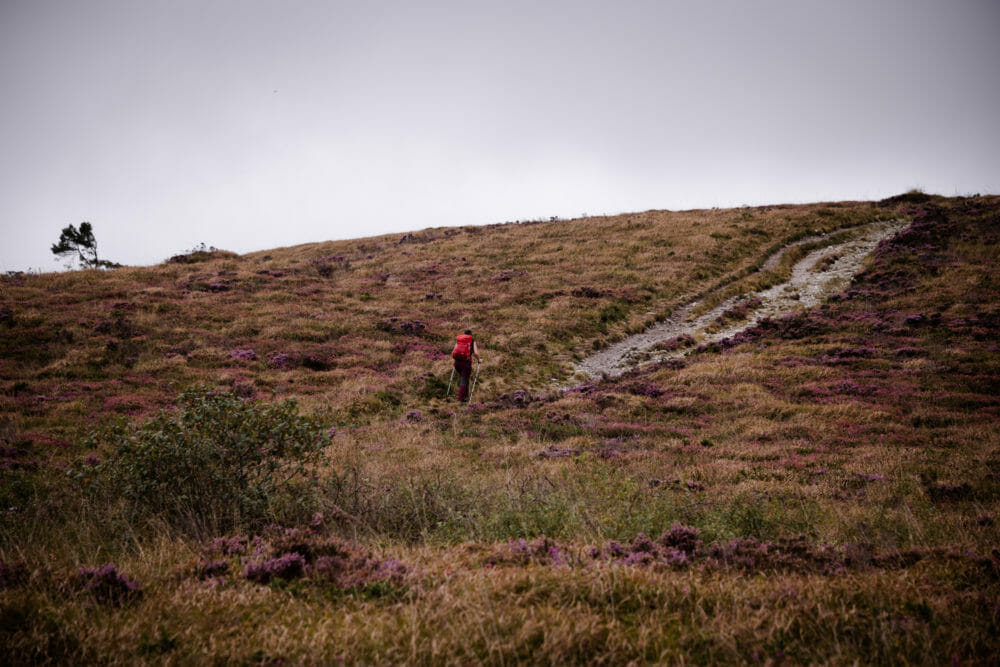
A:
x: 816, y: 276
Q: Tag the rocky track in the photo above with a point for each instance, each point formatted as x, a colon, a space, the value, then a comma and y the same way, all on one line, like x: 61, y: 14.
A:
x: 819, y: 274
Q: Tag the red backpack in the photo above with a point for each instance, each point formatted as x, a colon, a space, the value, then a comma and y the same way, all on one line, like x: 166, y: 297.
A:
x: 463, y: 348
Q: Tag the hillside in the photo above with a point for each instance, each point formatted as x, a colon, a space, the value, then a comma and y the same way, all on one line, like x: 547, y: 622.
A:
x: 368, y: 318
x: 820, y: 486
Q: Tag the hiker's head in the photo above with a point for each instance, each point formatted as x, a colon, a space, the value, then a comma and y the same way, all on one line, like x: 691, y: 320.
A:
x: 468, y: 332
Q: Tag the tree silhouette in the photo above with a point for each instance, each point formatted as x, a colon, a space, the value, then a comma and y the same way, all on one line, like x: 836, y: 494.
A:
x: 81, y: 243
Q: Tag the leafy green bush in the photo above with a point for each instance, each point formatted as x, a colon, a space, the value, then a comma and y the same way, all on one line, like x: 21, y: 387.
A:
x: 218, y: 460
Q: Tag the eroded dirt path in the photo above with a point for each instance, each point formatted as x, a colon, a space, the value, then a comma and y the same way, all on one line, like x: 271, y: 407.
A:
x: 819, y: 274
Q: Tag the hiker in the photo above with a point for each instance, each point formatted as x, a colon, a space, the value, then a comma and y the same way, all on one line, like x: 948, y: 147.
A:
x: 465, y: 350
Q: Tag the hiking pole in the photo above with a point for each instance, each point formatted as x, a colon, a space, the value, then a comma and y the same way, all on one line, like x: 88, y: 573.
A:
x: 473, y: 387
x: 448, y: 393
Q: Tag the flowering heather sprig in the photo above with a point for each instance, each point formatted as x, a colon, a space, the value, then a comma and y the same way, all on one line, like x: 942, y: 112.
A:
x: 258, y: 546
x: 412, y: 417
x: 746, y: 336
x: 681, y: 537
x: 293, y: 553
x: 642, y: 544
x: 392, y: 570
x: 106, y: 584
x: 674, y: 548
x: 638, y: 558
x: 542, y: 550
x: 287, y: 566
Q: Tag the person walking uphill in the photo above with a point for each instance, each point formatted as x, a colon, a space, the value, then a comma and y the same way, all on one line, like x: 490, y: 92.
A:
x: 466, y: 349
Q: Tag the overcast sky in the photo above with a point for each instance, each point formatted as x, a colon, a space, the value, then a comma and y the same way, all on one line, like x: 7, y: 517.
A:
x: 252, y: 124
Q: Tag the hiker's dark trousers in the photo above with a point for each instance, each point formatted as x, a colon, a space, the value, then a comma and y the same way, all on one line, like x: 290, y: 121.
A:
x: 464, y: 369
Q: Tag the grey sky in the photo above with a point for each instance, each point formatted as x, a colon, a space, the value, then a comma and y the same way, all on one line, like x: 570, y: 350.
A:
x: 251, y: 124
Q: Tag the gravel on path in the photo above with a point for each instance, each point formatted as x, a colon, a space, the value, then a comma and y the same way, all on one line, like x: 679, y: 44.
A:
x: 812, y: 281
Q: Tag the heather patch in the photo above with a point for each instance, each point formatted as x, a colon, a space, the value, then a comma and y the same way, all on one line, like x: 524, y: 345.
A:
x: 289, y: 554
x: 106, y: 585
x: 283, y: 360
x: 681, y: 548
x: 243, y: 354
x: 676, y: 343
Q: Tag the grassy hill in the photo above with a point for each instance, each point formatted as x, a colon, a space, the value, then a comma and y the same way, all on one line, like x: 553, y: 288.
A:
x: 822, y: 487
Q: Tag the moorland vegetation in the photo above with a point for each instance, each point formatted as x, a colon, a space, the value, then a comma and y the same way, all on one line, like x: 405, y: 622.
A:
x: 251, y: 458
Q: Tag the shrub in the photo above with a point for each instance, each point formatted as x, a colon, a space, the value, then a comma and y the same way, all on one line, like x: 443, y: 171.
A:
x: 613, y: 312
x: 200, y: 253
x: 217, y: 458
